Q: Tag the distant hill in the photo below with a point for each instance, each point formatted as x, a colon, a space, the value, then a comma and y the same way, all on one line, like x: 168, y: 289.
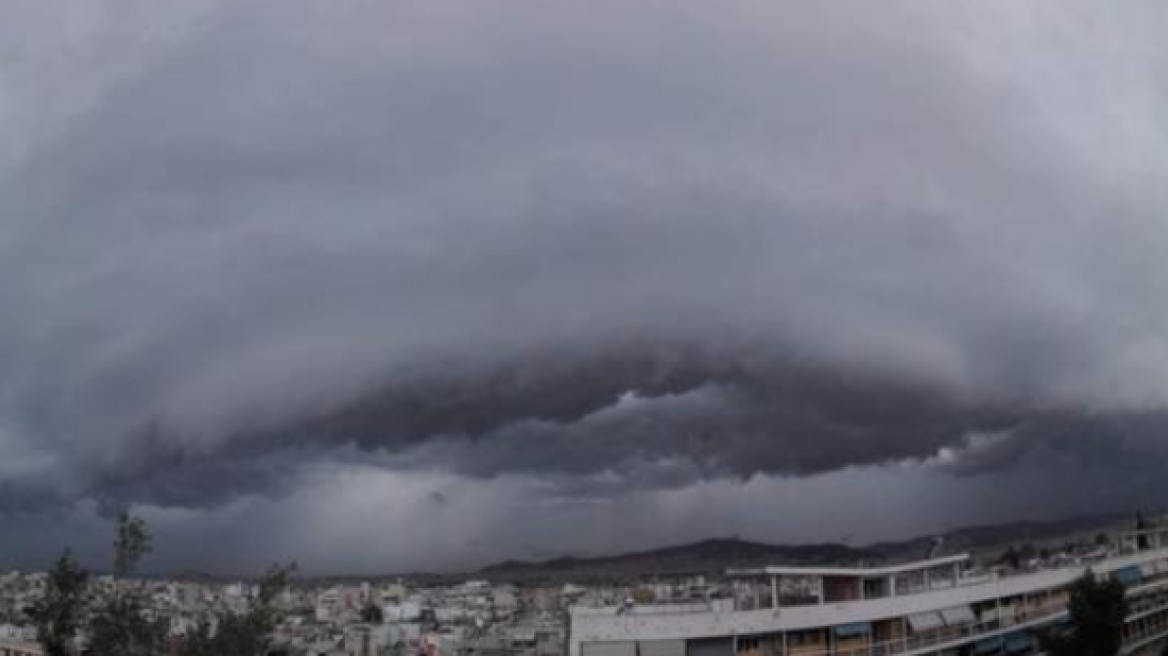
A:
x: 715, y: 555
x: 997, y: 536
x: 696, y: 557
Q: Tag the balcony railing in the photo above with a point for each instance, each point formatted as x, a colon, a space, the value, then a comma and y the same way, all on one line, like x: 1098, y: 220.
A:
x: 1145, y: 630
x: 934, y: 638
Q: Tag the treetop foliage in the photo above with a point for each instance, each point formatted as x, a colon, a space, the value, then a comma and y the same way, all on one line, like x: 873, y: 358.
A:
x: 122, y: 624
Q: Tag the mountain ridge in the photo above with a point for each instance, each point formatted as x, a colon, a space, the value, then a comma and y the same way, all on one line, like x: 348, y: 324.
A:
x: 713, y: 555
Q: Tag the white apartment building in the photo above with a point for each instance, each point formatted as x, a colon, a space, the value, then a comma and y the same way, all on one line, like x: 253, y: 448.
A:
x: 942, y: 606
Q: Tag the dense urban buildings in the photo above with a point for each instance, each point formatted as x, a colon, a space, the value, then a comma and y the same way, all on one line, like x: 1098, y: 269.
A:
x: 1010, y: 602
x: 471, y: 618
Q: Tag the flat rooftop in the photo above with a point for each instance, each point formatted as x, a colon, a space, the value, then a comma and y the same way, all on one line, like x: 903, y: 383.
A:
x: 857, y: 572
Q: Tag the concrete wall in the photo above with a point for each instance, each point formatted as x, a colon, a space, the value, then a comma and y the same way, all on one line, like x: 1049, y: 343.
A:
x: 20, y: 649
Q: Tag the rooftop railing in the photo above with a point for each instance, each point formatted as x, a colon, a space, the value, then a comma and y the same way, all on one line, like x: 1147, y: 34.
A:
x: 935, y: 638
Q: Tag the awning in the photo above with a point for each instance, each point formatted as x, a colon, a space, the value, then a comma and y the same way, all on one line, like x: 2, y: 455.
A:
x: 958, y: 616
x: 853, y: 630
x: 1018, y: 642
x: 609, y: 649
x: 1128, y: 575
x: 661, y: 647
x: 988, y: 646
x: 707, y: 647
x: 1065, y: 618
x: 925, y: 621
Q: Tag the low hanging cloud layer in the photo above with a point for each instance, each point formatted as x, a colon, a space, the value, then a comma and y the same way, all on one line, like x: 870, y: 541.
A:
x: 616, y: 246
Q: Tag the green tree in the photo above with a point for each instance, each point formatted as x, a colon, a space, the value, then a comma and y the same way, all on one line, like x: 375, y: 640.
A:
x: 245, y: 634
x: 1027, y: 552
x: 372, y: 614
x: 122, y: 626
x: 1011, y: 558
x: 58, y: 614
x: 1097, y: 610
x: 132, y: 543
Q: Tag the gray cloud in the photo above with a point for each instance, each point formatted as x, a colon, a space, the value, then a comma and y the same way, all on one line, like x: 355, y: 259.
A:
x: 629, y: 245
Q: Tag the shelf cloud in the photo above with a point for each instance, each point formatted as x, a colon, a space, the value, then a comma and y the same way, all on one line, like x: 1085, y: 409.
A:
x: 634, y: 247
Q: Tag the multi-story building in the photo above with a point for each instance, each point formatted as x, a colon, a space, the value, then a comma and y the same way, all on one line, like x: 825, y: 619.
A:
x: 947, y: 606
x: 8, y: 648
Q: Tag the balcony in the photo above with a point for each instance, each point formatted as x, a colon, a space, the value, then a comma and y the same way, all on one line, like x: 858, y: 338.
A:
x: 933, y: 640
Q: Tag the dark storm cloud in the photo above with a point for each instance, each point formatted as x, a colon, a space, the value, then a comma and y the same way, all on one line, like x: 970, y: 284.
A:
x: 647, y: 422
x: 637, y: 243
x: 726, y: 417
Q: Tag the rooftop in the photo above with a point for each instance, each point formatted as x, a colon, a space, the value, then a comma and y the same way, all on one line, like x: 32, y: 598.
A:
x: 858, y: 572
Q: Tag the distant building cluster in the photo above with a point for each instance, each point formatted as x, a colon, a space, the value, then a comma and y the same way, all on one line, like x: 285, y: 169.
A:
x: 1003, y: 604
x: 475, y: 618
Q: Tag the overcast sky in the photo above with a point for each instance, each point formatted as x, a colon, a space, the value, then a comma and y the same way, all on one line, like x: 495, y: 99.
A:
x: 415, y: 284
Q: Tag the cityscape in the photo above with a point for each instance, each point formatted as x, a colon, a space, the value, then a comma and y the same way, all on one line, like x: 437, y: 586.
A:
x: 583, y: 328
x: 994, y: 598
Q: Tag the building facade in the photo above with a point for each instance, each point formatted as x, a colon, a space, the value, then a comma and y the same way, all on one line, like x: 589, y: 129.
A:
x: 945, y: 606
x: 9, y: 648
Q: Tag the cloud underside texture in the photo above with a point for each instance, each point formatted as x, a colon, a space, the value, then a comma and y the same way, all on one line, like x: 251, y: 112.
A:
x: 631, y: 246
